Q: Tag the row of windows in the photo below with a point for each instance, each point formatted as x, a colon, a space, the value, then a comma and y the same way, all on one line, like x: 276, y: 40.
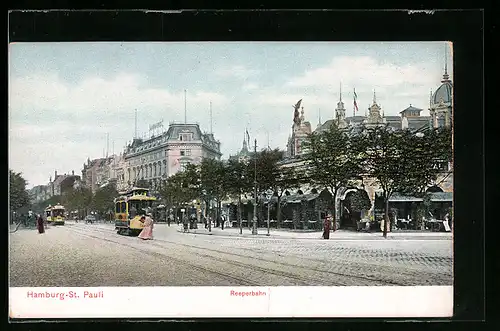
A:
x: 157, y: 156
x: 151, y: 170
x: 185, y: 136
x: 150, y: 157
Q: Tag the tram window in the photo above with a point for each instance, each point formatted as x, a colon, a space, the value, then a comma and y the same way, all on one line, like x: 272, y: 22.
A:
x: 123, y: 207
x: 117, y: 210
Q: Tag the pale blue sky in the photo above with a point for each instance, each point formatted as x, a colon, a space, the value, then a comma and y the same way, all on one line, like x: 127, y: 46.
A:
x: 65, y: 97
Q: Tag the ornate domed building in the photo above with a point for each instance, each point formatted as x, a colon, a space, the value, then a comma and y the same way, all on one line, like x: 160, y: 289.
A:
x: 441, y: 103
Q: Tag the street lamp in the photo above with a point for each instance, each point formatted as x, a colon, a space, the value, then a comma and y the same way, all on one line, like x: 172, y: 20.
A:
x: 270, y: 196
x: 197, y: 207
x: 254, y: 229
x: 182, y: 218
x: 239, y: 207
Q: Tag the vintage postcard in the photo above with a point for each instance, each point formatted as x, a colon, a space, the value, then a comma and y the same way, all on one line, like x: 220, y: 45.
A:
x: 242, y: 179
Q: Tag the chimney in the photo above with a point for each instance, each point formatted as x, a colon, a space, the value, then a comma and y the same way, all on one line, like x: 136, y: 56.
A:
x: 55, y: 174
x: 72, y: 172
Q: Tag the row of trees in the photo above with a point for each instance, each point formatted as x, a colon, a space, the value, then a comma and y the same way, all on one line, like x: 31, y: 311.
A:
x: 216, y: 180
x: 82, y: 200
x: 403, y: 161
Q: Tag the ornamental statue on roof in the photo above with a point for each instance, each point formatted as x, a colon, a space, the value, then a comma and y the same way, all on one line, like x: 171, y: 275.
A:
x: 296, y: 115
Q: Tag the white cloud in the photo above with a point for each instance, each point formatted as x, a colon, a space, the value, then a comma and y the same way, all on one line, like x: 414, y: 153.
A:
x: 76, y: 118
x: 364, y: 70
x: 123, y: 92
x: 250, y: 86
x: 237, y: 71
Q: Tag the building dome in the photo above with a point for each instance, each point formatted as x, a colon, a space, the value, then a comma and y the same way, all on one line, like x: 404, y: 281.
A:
x: 443, y: 93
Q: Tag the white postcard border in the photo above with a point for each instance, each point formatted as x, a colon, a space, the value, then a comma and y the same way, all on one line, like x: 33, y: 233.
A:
x: 231, y: 302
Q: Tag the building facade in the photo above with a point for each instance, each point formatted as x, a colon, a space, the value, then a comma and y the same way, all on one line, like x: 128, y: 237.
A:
x: 60, y: 185
x: 164, y: 155
x: 97, y: 172
x: 441, y: 110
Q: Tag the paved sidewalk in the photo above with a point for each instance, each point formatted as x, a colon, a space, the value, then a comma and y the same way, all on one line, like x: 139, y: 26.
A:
x: 339, y: 234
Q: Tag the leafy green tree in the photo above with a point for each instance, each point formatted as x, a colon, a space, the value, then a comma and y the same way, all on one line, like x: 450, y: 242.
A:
x: 172, y: 192
x: 272, y: 176
x: 238, y: 182
x: 384, y: 161
x: 214, y: 181
x: 181, y: 188
x: 78, y: 199
x: 404, y: 161
x: 18, y: 196
x: 422, y: 153
x: 334, y: 159
x: 102, y: 201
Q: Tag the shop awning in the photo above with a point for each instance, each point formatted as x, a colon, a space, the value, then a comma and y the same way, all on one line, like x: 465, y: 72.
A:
x: 435, y: 197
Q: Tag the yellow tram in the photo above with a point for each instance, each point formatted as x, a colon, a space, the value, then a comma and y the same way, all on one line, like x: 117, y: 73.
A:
x: 129, y: 207
x: 48, y: 214
x: 58, y: 215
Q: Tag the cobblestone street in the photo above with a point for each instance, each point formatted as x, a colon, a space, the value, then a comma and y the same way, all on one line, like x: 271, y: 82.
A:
x: 94, y: 255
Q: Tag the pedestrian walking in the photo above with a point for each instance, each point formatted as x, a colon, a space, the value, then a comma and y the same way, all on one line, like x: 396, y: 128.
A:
x: 168, y: 220
x: 40, y: 224
x: 147, y: 231
x: 30, y: 220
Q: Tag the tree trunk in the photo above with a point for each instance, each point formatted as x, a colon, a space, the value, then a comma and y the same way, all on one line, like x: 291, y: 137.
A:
x: 220, y: 215
x: 239, y: 214
x: 217, y: 213
x: 386, y: 214
x: 278, y: 212
x: 334, y: 213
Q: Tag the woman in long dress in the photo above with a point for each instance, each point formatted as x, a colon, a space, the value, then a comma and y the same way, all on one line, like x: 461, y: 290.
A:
x: 40, y: 224
x: 147, y: 231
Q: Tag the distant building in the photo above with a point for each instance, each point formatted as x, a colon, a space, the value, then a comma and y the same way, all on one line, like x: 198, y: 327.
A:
x: 60, y: 185
x: 97, y: 173
x: 118, y: 170
x: 244, y: 155
x: 164, y: 155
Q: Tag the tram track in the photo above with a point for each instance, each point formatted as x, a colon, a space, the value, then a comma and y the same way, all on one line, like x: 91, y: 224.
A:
x: 324, y: 279
x: 243, y: 281
x: 240, y: 281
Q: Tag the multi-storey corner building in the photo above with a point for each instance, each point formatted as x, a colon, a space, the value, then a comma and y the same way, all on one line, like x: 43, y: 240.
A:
x: 163, y: 155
